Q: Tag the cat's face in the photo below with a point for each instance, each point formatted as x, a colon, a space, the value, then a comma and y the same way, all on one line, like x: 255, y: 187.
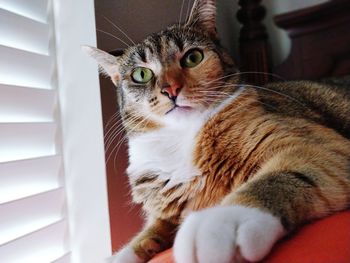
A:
x: 172, y: 72
x: 176, y: 72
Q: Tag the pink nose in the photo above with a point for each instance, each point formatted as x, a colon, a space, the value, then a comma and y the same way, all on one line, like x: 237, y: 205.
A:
x: 172, y: 91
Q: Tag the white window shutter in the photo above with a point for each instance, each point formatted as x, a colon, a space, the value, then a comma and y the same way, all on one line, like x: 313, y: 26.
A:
x: 39, y: 212
x: 33, y: 223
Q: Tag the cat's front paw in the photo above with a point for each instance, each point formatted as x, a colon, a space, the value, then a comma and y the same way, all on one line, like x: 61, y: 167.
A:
x: 125, y: 255
x: 227, y: 234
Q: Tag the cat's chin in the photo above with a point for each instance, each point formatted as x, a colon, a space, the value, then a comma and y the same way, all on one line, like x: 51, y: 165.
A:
x: 181, y: 113
x: 180, y: 110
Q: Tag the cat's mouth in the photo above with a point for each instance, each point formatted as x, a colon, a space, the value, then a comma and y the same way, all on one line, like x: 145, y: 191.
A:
x: 178, y: 108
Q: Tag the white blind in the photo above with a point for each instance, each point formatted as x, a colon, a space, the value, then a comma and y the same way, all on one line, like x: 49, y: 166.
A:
x: 33, y: 223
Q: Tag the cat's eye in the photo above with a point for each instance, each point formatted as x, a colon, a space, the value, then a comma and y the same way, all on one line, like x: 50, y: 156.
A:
x: 192, y: 58
x: 142, y: 75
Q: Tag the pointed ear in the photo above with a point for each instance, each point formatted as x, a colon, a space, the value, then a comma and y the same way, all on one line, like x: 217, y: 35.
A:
x: 203, y: 15
x: 108, y: 63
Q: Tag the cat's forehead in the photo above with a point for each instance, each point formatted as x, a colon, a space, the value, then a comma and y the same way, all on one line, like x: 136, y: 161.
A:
x: 163, y: 47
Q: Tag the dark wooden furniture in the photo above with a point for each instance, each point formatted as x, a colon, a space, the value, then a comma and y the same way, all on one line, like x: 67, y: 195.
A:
x: 253, y: 41
x: 320, y: 39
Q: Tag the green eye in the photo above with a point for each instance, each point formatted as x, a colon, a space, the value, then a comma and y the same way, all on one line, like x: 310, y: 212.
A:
x: 192, y: 58
x: 142, y: 75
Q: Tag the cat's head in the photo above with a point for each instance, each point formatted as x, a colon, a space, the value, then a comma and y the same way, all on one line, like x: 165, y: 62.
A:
x: 179, y: 71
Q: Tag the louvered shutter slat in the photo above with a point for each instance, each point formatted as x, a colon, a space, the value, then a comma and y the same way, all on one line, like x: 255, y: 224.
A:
x: 42, y: 246
x: 23, y: 33
x: 27, y: 215
x: 64, y: 259
x: 22, y: 68
x: 26, y: 140
x: 29, y: 177
x: 22, y: 104
x: 34, y: 9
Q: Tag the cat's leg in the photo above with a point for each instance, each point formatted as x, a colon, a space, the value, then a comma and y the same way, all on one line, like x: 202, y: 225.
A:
x: 156, y: 237
x: 290, y: 190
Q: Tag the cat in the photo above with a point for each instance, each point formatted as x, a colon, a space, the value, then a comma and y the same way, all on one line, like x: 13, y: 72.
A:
x: 223, y: 169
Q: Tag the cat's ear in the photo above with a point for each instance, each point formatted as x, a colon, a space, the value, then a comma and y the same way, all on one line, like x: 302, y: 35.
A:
x: 203, y: 15
x: 108, y: 63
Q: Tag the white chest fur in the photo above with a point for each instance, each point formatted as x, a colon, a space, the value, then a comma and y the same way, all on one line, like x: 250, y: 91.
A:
x: 167, y: 152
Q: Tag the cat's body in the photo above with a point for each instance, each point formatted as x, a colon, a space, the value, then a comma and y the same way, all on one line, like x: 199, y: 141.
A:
x: 206, y: 160
x: 254, y: 162
x: 195, y: 164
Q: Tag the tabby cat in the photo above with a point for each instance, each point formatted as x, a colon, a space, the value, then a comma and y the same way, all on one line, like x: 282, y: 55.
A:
x: 223, y: 170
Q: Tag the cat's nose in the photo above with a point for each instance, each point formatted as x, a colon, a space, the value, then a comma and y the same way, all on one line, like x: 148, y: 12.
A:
x: 172, y: 91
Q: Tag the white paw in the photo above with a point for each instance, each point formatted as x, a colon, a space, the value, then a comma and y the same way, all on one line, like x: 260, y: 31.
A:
x: 125, y: 255
x: 220, y: 234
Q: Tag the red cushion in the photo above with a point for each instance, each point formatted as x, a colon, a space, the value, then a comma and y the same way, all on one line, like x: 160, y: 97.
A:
x: 324, y: 241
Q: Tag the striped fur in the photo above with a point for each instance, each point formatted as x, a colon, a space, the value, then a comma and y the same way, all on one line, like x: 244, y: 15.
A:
x: 282, y: 149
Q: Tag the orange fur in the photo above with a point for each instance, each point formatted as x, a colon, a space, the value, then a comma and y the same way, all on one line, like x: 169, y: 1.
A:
x: 295, y: 168
x: 283, y: 148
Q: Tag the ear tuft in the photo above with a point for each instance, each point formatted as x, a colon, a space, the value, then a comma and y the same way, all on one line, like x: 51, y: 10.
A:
x: 203, y: 15
x: 108, y: 63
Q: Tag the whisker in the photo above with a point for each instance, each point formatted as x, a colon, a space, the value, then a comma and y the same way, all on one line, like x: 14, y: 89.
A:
x: 262, y: 73
x: 112, y: 118
x: 213, y: 98
x: 112, y: 133
x: 123, y: 139
x: 111, y: 35
x: 279, y: 93
x: 113, y: 136
x: 115, y: 147
x: 112, y: 123
x: 262, y: 88
x: 120, y: 30
x: 188, y: 10
x: 116, y: 153
x: 181, y: 11
x: 118, y: 131
x: 246, y: 72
